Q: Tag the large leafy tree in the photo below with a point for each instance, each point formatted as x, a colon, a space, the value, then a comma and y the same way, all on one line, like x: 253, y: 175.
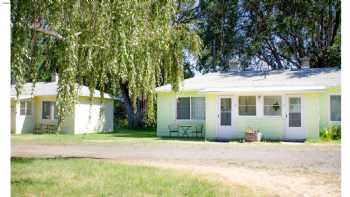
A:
x: 273, y: 33
x: 126, y: 47
x: 218, y: 28
x: 281, y: 33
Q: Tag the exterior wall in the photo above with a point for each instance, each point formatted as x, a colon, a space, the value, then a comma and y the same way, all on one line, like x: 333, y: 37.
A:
x: 22, y: 123
x: 88, y: 118
x: 211, y: 122
x: 166, y: 112
x: 272, y: 127
x: 68, y: 124
x: 325, y: 107
x: 13, y: 115
x: 315, y: 115
x: 312, y: 115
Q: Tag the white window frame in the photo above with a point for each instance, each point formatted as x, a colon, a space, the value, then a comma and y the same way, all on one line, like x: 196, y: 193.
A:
x: 329, y: 107
x: 263, y: 106
x: 256, y: 106
x: 26, y: 108
x: 52, y: 111
x: 205, y: 111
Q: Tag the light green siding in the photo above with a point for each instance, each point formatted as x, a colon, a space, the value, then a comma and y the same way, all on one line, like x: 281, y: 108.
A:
x: 166, y: 111
x: 271, y: 127
x: 211, y: 116
x: 325, y: 107
x: 311, y: 115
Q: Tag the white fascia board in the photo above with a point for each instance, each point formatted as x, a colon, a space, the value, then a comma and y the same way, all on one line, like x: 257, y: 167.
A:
x: 266, y: 89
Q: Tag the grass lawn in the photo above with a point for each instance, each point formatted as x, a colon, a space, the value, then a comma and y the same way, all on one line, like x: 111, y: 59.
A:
x: 82, y: 177
x: 321, y: 141
x: 119, y: 136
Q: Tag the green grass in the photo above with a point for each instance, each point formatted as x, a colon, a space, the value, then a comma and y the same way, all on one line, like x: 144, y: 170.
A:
x: 322, y: 141
x: 83, y: 177
x: 119, y: 136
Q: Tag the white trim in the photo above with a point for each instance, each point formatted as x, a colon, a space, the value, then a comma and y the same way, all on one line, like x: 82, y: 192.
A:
x: 222, y: 130
x: 267, y: 89
x: 329, y: 107
x: 302, y: 127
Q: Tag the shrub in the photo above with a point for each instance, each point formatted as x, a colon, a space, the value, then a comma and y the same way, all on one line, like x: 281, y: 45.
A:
x: 331, y: 133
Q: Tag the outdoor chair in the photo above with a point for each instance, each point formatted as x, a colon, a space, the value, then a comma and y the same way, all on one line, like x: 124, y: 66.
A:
x: 198, y: 130
x: 173, y: 128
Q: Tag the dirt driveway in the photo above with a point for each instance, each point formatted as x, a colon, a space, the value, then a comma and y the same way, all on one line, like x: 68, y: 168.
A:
x: 279, y: 168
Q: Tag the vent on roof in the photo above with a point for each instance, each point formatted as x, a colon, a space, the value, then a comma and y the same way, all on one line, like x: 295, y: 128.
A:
x: 54, y: 77
x: 305, y: 62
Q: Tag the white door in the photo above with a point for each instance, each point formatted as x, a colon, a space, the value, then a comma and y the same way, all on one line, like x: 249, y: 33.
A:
x: 225, y: 126
x: 295, y: 129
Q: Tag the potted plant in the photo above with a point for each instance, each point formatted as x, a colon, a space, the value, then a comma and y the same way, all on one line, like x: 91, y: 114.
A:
x: 252, y: 135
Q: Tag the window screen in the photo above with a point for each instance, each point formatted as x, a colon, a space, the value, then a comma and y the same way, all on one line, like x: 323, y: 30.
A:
x: 183, y: 108
x: 247, y: 105
x: 294, y: 112
x: 197, y: 108
x: 225, y: 111
x: 46, y: 110
x: 272, y: 105
x: 335, y: 104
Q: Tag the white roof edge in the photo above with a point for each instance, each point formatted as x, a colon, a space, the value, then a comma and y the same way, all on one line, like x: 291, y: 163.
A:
x: 256, y: 89
x: 268, y: 89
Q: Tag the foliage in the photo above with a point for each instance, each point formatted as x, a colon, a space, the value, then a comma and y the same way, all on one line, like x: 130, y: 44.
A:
x: 106, y: 44
x: 331, y: 133
x: 273, y: 33
x: 83, y: 177
x: 217, y: 27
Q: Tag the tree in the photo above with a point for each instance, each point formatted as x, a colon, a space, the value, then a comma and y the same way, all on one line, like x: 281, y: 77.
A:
x: 270, y: 33
x: 217, y: 27
x: 125, y: 47
x: 281, y: 33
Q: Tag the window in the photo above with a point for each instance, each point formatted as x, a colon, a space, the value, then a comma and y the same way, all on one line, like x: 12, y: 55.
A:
x: 29, y: 108
x: 294, y: 112
x: 23, y: 108
x: 272, y: 105
x: 190, y: 108
x: 198, y: 108
x: 26, y: 107
x: 335, y: 105
x: 49, y: 110
x: 183, y: 108
x: 225, y: 111
x: 247, y: 106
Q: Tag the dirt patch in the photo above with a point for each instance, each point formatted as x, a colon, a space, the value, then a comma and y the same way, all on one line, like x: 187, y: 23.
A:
x: 261, y: 181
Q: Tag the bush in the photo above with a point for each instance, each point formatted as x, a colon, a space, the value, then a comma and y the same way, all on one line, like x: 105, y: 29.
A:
x: 331, y: 133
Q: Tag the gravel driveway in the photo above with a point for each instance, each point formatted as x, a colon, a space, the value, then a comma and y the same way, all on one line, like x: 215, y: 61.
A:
x: 291, y: 169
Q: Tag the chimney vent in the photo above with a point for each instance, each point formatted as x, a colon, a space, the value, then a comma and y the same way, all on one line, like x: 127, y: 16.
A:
x: 305, y: 62
x: 54, y: 77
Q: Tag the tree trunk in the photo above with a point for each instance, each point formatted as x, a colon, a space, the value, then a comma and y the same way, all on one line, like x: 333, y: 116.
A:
x: 136, y: 113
